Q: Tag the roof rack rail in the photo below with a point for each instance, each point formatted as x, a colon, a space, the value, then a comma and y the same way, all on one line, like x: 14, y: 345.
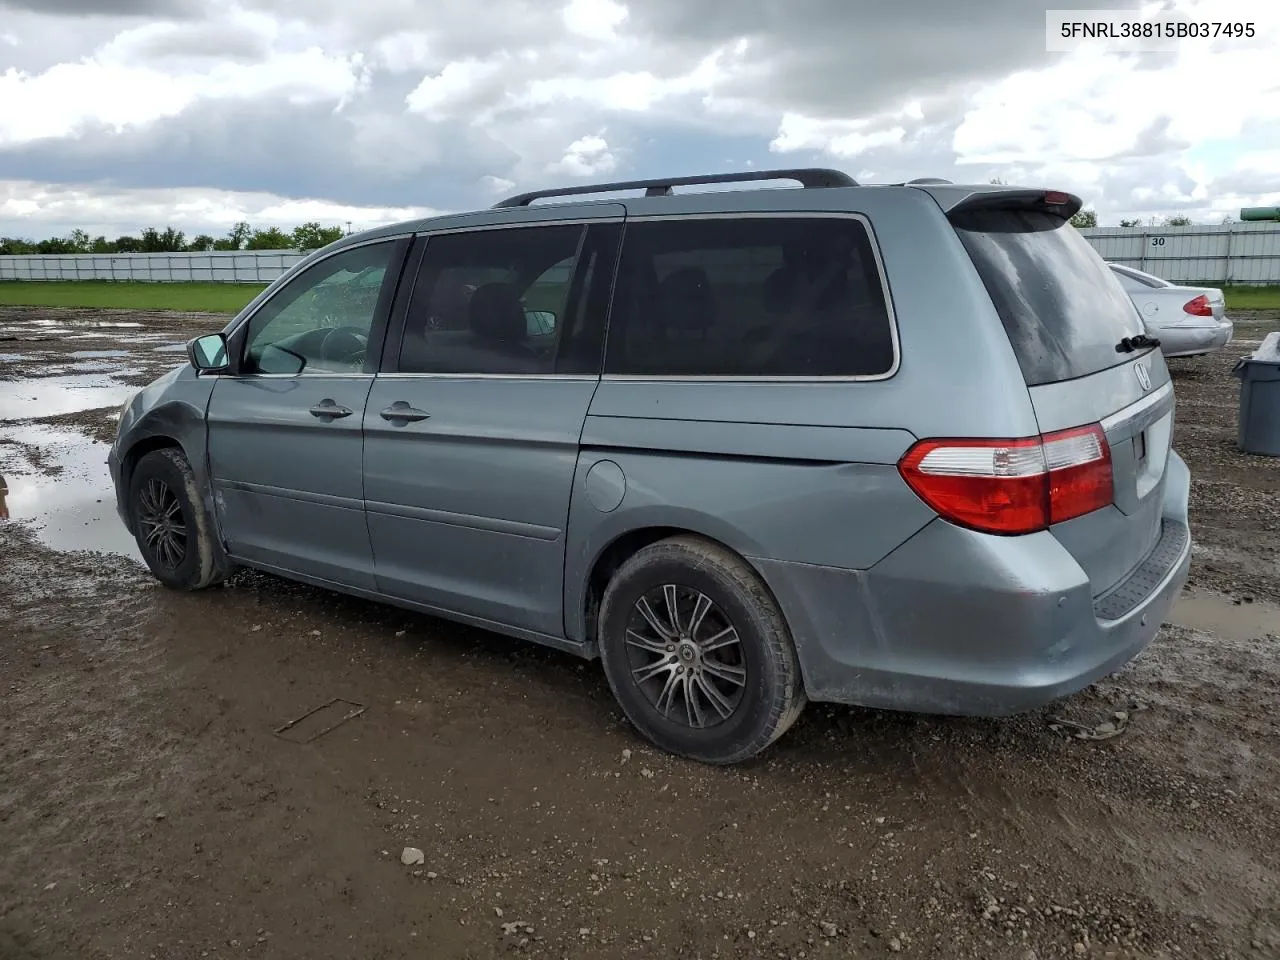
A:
x: 808, y: 177
x: 926, y: 180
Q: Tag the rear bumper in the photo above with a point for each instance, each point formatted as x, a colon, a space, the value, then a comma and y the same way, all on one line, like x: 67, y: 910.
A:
x: 1191, y: 341
x: 957, y: 622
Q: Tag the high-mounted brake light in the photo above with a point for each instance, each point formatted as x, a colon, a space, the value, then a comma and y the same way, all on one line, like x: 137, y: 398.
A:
x: 1056, y: 198
x: 1199, y: 307
x: 1013, y: 486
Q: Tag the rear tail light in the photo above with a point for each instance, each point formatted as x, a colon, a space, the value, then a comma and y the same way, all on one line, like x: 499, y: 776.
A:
x: 1056, y: 198
x: 1013, y: 486
x: 1199, y: 307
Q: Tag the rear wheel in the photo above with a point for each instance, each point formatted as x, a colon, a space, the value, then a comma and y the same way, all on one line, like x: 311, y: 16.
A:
x: 174, y: 532
x: 697, y: 653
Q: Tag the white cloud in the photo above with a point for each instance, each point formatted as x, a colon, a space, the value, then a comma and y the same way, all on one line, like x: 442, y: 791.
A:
x: 112, y: 212
x: 629, y: 91
x: 243, y: 33
x: 1093, y: 106
x: 497, y: 184
x: 403, y: 52
x: 587, y: 156
x: 397, y: 101
x: 593, y: 19
x: 840, y: 138
x: 111, y: 91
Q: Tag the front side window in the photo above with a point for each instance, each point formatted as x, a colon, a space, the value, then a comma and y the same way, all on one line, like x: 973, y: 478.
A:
x: 491, y: 301
x: 321, y: 320
x: 749, y: 297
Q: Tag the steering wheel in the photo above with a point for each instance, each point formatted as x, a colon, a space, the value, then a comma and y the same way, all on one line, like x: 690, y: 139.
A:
x: 344, y: 345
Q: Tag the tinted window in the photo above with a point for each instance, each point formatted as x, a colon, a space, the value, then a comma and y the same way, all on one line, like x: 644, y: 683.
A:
x: 748, y: 297
x: 320, y: 320
x: 492, y: 301
x: 1061, y: 305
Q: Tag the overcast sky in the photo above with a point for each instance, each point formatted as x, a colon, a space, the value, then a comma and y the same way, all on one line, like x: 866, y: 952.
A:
x: 119, y: 114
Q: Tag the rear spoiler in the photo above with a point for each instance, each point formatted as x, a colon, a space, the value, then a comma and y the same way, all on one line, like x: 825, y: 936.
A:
x: 959, y: 199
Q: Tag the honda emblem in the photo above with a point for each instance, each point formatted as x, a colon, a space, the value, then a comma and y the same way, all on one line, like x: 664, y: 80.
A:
x: 1144, y: 378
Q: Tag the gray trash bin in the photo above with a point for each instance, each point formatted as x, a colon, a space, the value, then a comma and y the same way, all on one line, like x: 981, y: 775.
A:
x: 1260, y: 399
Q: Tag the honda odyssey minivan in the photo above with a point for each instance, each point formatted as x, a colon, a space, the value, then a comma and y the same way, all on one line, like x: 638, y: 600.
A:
x: 905, y: 446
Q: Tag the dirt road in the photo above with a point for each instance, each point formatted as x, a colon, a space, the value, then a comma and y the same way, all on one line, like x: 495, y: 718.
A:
x: 149, y: 809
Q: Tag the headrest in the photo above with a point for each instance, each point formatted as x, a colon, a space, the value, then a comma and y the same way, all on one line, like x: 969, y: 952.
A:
x: 496, y: 313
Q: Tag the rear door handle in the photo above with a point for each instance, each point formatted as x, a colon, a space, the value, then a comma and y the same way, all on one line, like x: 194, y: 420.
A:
x: 402, y: 411
x: 328, y: 410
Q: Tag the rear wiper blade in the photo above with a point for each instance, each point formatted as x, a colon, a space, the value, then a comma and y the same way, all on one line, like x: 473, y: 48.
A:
x: 1130, y: 344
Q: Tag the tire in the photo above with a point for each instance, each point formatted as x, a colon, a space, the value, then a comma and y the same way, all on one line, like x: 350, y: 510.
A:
x: 739, y: 647
x: 164, y: 497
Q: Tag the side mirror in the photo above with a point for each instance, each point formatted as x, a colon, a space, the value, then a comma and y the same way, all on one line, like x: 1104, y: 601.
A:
x: 208, y: 354
x: 539, y: 323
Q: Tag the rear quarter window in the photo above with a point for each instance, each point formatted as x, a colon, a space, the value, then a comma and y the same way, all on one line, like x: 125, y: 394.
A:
x: 1062, y: 307
x: 750, y: 297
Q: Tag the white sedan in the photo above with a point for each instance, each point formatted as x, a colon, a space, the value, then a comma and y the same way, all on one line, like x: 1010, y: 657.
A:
x: 1188, y: 321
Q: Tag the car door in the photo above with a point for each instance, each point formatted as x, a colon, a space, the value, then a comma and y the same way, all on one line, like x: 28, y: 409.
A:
x: 284, y: 427
x: 472, y: 429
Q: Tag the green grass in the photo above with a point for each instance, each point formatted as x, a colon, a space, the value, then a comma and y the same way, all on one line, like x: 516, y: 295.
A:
x: 122, y: 295
x: 1251, y: 298
x: 230, y: 297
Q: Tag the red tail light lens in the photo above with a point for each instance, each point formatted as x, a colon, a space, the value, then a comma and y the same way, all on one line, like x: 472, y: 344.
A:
x: 1199, y: 307
x: 1013, y: 486
x: 1056, y: 198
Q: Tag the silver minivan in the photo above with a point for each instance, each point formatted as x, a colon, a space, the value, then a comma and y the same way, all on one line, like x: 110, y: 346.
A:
x: 905, y: 446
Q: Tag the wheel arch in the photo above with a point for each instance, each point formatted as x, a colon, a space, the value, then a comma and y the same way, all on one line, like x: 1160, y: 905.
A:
x: 174, y: 425
x: 626, y: 544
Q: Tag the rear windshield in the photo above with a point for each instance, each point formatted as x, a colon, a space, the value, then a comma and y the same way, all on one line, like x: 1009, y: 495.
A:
x: 1062, y: 307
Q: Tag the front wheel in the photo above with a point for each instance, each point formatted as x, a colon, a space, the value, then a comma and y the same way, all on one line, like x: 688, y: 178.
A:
x: 174, y: 532
x: 697, y: 652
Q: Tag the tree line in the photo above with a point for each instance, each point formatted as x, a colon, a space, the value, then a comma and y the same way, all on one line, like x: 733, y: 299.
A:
x: 308, y: 236
x: 1089, y: 218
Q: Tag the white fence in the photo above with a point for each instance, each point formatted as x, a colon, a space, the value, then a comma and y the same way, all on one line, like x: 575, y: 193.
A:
x: 1238, y: 253
x: 234, y: 266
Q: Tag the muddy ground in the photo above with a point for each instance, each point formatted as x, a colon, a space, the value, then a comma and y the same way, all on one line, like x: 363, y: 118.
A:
x: 149, y: 809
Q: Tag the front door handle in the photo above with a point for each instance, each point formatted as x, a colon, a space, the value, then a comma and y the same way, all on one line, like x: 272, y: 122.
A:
x: 328, y: 410
x: 402, y: 411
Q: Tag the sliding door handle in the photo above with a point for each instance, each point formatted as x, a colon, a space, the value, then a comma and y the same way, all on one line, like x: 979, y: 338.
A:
x: 328, y: 410
x: 401, y: 411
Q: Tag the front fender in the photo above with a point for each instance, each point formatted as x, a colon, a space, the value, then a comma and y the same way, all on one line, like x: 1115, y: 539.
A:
x: 169, y: 411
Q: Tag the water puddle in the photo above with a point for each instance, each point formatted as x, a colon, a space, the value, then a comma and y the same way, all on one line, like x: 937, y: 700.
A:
x: 170, y: 348
x: 95, y: 366
x: 51, y: 396
x: 97, y: 354
x: 1224, y: 617
x: 30, y: 335
x: 74, y: 509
